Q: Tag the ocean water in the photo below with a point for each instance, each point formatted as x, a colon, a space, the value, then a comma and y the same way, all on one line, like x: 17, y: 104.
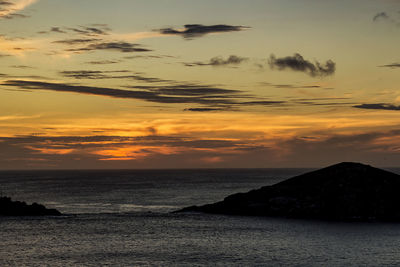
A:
x: 123, y: 218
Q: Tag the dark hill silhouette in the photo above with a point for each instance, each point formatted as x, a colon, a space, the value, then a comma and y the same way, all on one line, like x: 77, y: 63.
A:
x: 345, y: 191
x: 17, y: 208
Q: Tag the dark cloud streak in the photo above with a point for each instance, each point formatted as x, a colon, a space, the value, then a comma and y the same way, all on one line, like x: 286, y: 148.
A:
x: 123, y: 47
x: 381, y: 106
x: 151, y: 96
x: 76, y: 41
x: 393, y: 65
x: 191, y: 31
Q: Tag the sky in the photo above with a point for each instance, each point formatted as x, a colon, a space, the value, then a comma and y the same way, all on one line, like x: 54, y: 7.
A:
x: 143, y: 84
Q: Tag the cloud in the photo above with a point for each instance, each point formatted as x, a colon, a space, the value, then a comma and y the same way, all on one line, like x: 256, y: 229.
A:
x: 219, y: 61
x: 211, y: 97
x: 291, y: 86
x: 380, y: 16
x: 15, y: 15
x: 187, y: 89
x: 88, y: 30
x: 9, y: 8
x: 95, y: 74
x: 298, y: 63
x: 103, y: 62
x: 184, y: 93
x: 379, y: 147
x: 101, y: 29
x: 203, y: 109
x: 96, y: 151
x: 15, y: 46
x: 198, y: 30
x: 385, y: 17
x: 57, y: 29
x: 76, y: 41
x: 4, y: 55
x: 123, y: 47
x: 5, y: 4
x: 95, y: 37
x: 381, y: 106
x: 84, y: 74
x: 21, y: 67
x: 152, y: 150
x: 150, y: 56
x: 393, y: 65
x: 263, y: 103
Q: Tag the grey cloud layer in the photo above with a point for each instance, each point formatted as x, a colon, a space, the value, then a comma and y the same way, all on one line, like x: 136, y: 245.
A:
x: 210, y: 97
x: 168, y: 94
x: 180, y: 93
x: 21, y: 150
x: 298, y: 63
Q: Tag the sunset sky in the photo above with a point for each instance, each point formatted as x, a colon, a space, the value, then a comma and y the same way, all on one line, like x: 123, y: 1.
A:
x: 198, y: 84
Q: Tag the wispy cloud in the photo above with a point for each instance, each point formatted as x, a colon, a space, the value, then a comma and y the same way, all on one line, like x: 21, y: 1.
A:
x: 212, y: 98
x: 298, y: 63
x: 76, y: 41
x: 96, y: 151
x: 8, y: 8
x: 177, y: 93
x: 103, y: 62
x: 385, y: 17
x: 191, y: 31
x: 100, y: 149
x: 114, y: 74
x: 16, y: 47
x: 184, y: 93
x: 119, y: 46
x: 92, y: 30
x: 87, y: 30
x: 380, y: 16
x: 219, y: 61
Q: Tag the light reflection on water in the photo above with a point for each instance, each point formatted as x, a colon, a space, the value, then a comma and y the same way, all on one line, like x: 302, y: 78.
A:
x: 151, y: 239
x: 121, y: 218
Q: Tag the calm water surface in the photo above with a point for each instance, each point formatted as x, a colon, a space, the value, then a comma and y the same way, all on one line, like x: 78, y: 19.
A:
x: 122, y: 218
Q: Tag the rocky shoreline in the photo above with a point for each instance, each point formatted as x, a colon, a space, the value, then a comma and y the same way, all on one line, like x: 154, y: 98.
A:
x: 9, y: 207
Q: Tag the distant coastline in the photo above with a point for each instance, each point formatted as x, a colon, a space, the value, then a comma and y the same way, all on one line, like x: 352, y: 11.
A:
x: 346, y: 192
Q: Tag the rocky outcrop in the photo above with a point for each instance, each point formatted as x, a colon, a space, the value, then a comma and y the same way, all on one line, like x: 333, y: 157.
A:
x: 17, y: 208
x: 345, y: 191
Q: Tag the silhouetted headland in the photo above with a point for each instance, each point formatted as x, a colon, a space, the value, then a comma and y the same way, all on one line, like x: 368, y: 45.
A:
x: 18, y: 208
x: 345, y: 191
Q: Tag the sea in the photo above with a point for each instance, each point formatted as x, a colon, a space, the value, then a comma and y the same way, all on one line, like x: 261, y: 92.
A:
x: 125, y: 218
